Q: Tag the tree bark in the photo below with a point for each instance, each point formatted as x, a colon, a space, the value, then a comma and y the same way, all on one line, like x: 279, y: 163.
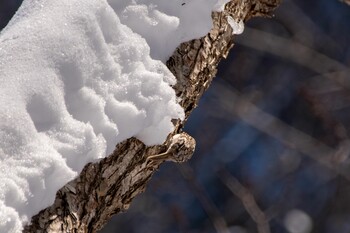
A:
x: 107, y: 187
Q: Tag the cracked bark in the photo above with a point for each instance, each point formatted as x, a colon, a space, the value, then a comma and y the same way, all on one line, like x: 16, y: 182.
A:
x: 107, y: 187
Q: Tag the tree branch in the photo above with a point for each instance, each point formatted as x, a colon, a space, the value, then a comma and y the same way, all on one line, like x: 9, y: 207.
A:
x: 107, y: 187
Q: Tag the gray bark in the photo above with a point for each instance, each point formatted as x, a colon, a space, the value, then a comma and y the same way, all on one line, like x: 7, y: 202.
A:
x: 108, y: 187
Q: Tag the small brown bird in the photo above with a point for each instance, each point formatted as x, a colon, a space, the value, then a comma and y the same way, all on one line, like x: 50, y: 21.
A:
x: 181, y: 149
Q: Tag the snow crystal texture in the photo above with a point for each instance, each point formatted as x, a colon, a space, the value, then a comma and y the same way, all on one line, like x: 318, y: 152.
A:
x: 77, y: 77
x: 237, y: 26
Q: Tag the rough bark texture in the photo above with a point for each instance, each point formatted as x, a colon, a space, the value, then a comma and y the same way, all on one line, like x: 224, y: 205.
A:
x: 106, y: 188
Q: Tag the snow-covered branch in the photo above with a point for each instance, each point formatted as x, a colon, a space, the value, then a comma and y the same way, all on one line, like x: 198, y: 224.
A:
x: 79, y: 77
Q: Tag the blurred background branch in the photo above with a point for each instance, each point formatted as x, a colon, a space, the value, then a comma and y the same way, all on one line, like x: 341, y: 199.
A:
x: 209, y: 207
x: 247, y: 200
x: 346, y: 1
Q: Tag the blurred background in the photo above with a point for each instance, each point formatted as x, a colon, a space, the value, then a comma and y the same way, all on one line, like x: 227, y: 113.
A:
x: 272, y: 134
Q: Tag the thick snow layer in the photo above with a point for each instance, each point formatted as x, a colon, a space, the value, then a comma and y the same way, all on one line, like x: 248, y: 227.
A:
x: 166, y: 23
x: 77, y: 77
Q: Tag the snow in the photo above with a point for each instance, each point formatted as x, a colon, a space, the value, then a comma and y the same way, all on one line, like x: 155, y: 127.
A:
x: 165, y: 24
x: 77, y: 77
x: 236, y: 25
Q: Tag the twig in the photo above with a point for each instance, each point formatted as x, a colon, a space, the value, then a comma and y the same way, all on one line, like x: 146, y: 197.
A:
x: 247, y: 200
x: 346, y: 1
x: 296, y: 52
x: 216, y: 218
x: 227, y: 99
